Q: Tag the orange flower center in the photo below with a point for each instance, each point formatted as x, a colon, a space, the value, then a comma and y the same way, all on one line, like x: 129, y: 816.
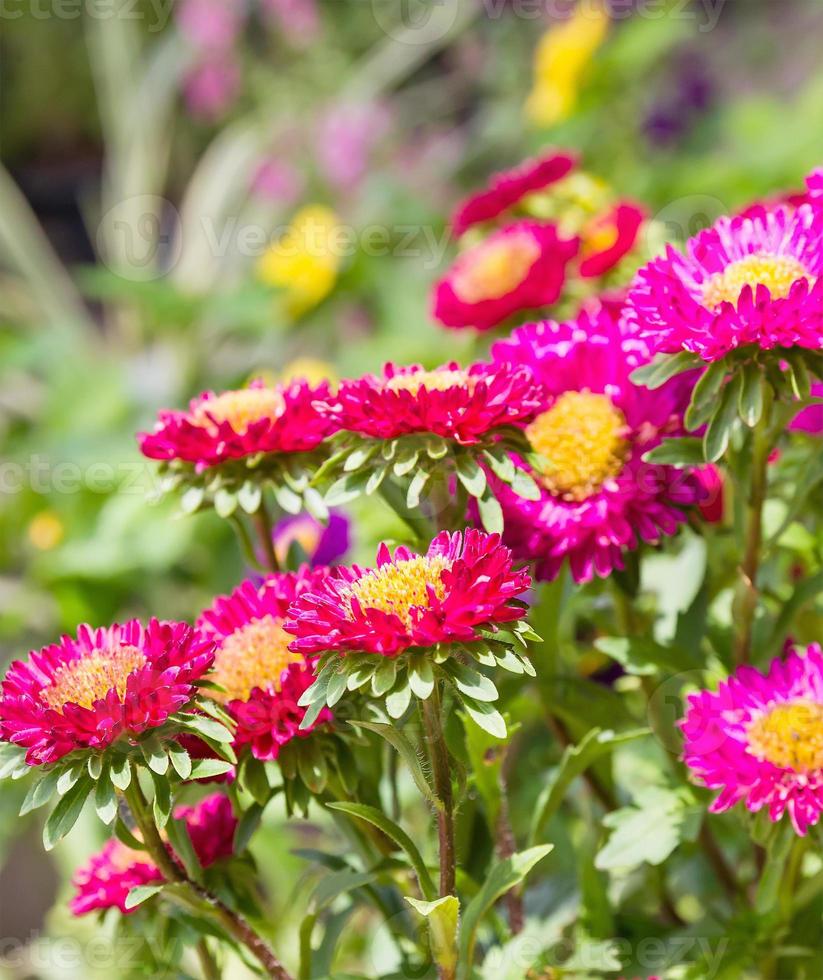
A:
x: 400, y: 586
x: 599, y: 237
x: 253, y: 656
x: 582, y: 438
x: 240, y: 409
x: 790, y: 736
x: 493, y: 269
x: 430, y: 380
x: 90, y: 678
x: 777, y: 272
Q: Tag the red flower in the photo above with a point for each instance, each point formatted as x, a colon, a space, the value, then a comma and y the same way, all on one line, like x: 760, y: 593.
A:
x: 609, y: 238
x: 263, y: 678
x: 520, y: 267
x: 506, y: 189
x: 106, y: 879
x: 107, y: 683
x: 464, y: 405
x: 464, y: 581
x: 241, y: 423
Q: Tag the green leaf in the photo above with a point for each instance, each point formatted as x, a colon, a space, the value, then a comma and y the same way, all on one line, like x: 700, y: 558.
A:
x: 206, y: 727
x: 421, y: 677
x: 384, y: 677
x: 470, y: 475
x: 750, y: 402
x: 123, y: 834
x: 705, y: 395
x: 376, y: 478
x: 155, y: 755
x: 207, y: 768
x: 718, y: 433
x: 407, y: 753
x: 69, y: 776
x: 502, y: 466
x: 287, y: 498
x: 247, y: 826
x: 643, y: 656
x: 339, y: 883
x: 487, y: 717
x: 687, y: 451
x: 192, y: 499
x: 94, y: 764
x: 471, y: 682
x: 664, y: 367
x: 250, y: 496
x: 491, y: 513
x: 406, y: 461
x: 576, y: 760
x: 140, y: 894
x: 486, y: 755
x: 180, y: 760
x: 418, y: 482
x: 254, y: 778
x: 524, y: 486
x: 311, y: 764
x: 398, y: 701
x: 161, y: 804
x: 338, y: 682
x: 69, y: 807
x: 442, y: 916
x: 502, y: 877
x: 40, y: 792
x: 105, y: 799
x: 120, y: 773
x: 357, y: 457
x: 178, y: 834
x: 397, y: 835
x: 225, y: 502
x: 645, y: 833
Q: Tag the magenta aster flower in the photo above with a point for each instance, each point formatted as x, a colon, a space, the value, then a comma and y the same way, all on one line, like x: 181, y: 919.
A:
x: 747, y: 281
x: 810, y: 419
x: 508, y: 188
x: 262, y: 677
x: 519, y: 267
x: 609, y: 238
x: 238, y: 424
x: 814, y: 185
x: 597, y: 500
x: 106, y: 879
x: 463, y: 582
x: 86, y: 693
x: 463, y: 405
x: 759, y: 739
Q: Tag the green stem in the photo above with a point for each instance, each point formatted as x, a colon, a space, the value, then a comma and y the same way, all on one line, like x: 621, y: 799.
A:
x: 246, y: 543
x: 208, y: 966
x: 746, y: 596
x: 262, y: 520
x: 441, y: 769
x: 192, y: 895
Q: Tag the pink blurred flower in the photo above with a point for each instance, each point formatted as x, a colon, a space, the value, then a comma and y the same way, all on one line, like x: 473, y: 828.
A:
x: 346, y: 136
x: 212, y: 25
x: 609, y: 238
x: 298, y: 20
x: 278, y: 181
x: 211, y: 87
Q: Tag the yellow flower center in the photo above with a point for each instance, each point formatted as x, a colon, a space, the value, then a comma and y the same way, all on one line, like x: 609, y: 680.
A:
x: 90, y: 678
x: 583, y: 439
x: 600, y: 236
x: 430, y: 380
x: 495, y: 268
x: 240, y: 409
x: 402, y: 585
x: 777, y: 272
x: 790, y: 736
x: 253, y: 656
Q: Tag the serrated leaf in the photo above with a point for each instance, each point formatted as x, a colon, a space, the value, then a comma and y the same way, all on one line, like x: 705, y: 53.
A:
x: 140, y: 894
x: 647, y: 832
x: 503, y: 876
x: 442, y: 916
x: 64, y: 816
x: 396, y: 834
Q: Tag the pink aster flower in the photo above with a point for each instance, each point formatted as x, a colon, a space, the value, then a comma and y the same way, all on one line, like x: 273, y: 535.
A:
x: 106, y: 879
x: 241, y: 423
x: 508, y: 188
x: 263, y: 678
x: 810, y: 419
x: 464, y: 581
x: 759, y: 739
x: 749, y: 280
x: 106, y: 684
x: 598, y: 500
x: 464, y: 405
x: 609, y: 238
x: 814, y: 185
x: 519, y: 267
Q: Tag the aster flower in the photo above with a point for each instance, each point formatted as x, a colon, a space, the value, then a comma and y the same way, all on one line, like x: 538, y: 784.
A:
x: 227, y: 445
x: 759, y: 739
x: 104, y: 686
x: 749, y: 283
x: 394, y: 623
x: 106, y: 879
x: 322, y: 544
x: 608, y: 238
x: 429, y: 426
x: 598, y: 499
x: 521, y: 266
x: 262, y: 679
x: 505, y: 190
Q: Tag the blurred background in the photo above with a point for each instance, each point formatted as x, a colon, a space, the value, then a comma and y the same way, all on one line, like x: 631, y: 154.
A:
x: 152, y: 153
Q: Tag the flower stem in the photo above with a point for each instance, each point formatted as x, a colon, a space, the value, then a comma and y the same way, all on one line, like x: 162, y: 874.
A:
x: 208, y: 966
x: 192, y: 895
x: 747, y: 592
x: 443, y: 787
x: 262, y: 520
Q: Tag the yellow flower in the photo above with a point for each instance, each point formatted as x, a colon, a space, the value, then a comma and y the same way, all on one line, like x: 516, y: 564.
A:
x: 45, y: 530
x: 311, y: 369
x: 304, y: 262
x: 562, y: 55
